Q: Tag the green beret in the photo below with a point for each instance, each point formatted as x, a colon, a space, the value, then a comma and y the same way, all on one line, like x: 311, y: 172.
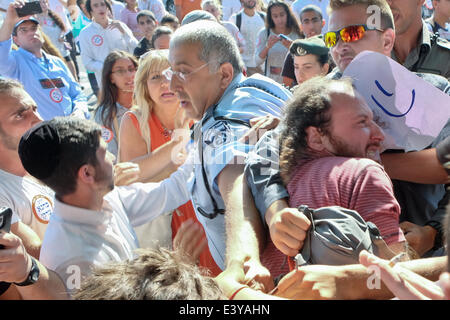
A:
x: 314, y: 45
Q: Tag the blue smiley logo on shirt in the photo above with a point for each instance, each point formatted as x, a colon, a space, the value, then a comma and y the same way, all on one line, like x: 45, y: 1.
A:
x: 386, y: 93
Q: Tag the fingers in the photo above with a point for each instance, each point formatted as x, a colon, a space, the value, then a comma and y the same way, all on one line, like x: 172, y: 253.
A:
x: 402, y: 282
x: 288, y: 230
x: 444, y: 281
x: 291, y: 279
x: 126, y: 173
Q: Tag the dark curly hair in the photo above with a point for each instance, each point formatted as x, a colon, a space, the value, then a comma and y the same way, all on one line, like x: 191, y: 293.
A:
x: 309, y: 107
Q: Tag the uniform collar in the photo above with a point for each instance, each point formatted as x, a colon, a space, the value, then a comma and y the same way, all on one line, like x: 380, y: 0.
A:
x: 210, y: 111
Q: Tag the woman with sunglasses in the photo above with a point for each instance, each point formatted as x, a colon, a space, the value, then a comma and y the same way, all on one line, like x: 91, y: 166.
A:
x: 146, y: 136
x: 116, y: 95
x: 274, y: 41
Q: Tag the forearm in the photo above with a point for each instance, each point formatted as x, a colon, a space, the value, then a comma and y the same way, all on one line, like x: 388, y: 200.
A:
x: 151, y: 165
x: 48, y: 287
x: 419, y: 167
x: 243, y: 223
x: 6, y: 29
x: 360, y: 283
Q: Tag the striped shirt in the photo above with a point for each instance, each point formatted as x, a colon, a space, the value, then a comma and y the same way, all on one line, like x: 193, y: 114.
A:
x: 353, y: 183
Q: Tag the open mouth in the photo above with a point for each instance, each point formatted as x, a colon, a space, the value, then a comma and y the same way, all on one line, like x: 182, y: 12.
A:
x: 168, y: 95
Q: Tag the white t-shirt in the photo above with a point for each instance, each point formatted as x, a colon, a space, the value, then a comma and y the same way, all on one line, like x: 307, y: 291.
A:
x: 298, y: 5
x: 234, y: 31
x: 155, y: 6
x: 117, y: 8
x: 62, y: 12
x: 96, y: 43
x: 31, y: 201
x: 229, y: 7
x: 275, y: 56
x: 250, y: 27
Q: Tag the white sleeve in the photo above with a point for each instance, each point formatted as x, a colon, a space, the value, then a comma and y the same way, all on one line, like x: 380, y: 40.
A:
x: 145, y: 201
x: 15, y: 218
x: 129, y: 38
x: 87, y: 55
x: 260, y: 45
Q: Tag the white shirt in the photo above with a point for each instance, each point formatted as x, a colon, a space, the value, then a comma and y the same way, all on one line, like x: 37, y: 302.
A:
x: 31, y: 201
x: 117, y: 8
x: 298, y: 5
x: 62, y: 12
x: 275, y: 56
x: 229, y: 7
x: 155, y: 6
x: 78, y: 239
x: 96, y: 43
x: 250, y: 27
x: 234, y: 31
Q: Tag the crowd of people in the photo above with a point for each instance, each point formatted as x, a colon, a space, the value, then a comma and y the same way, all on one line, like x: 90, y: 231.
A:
x: 231, y: 153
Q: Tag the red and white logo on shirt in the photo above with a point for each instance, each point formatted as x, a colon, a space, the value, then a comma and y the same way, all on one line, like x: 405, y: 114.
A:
x: 107, y: 134
x: 56, y: 95
x: 97, y: 40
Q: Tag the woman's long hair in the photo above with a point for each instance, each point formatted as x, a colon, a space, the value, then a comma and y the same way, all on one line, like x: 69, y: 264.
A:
x: 153, y: 61
x: 109, y: 93
x: 291, y: 22
x: 57, y: 20
x: 50, y: 48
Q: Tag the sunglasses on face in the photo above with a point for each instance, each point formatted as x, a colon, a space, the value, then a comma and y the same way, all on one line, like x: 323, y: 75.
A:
x: 347, y: 34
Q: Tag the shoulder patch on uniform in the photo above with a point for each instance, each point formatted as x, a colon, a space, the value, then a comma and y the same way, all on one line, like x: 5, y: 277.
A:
x: 220, y: 133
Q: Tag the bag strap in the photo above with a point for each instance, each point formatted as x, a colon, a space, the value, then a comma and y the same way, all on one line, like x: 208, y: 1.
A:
x: 239, y: 20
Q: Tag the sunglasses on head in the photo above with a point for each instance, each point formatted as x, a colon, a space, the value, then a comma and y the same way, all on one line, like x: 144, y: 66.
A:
x: 347, y: 34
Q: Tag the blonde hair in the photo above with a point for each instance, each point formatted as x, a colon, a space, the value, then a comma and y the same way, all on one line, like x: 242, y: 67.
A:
x: 152, y: 61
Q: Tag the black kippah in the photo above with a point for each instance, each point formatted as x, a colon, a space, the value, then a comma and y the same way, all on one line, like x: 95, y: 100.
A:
x: 39, y: 150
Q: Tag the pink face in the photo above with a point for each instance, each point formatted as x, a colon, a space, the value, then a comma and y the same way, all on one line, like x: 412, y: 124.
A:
x: 352, y: 132
x: 279, y: 16
x: 17, y: 115
x: 158, y: 88
x: 99, y: 9
x: 344, y: 52
x: 406, y: 13
x: 122, y: 74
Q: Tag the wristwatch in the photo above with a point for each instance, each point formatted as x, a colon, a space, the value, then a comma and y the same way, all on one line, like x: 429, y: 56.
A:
x: 33, y: 276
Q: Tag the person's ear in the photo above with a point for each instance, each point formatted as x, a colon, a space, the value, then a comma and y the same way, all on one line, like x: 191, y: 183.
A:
x: 15, y: 41
x: 323, y: 23
x: 86, y: 174
x: 227, y: 72
x: 314, y: 139
x: 388, y: 41
x: 325, y: 69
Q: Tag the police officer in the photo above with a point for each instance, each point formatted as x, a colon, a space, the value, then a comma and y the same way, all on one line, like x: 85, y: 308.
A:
x: 415, y: 47
x: 206, y: 73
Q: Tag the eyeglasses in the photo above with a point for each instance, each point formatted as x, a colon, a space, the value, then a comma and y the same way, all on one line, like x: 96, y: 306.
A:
x: 169, y: 73
x: 347, y: 34
x: 122, y: 72
x: 25, y: 29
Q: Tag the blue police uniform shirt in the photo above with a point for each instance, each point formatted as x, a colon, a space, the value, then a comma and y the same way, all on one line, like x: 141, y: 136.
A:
x: 47, y: 80
x: 219, y: 132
